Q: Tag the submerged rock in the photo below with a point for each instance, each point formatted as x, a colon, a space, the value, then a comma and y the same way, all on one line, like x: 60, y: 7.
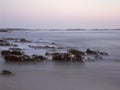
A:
x: 6, y: 73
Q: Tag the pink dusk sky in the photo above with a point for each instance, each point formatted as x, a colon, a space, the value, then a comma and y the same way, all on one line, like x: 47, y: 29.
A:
x: 60, y: 14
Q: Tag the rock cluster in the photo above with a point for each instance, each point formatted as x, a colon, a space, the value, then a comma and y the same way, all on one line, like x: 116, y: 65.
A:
x: 19, y: 56
x: 72, y: 55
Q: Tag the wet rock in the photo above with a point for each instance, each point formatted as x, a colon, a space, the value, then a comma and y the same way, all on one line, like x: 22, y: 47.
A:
x: 96, y: 54
x: 76, y: 52
x: 6, y: 73
x: 98, y: 57
x: 20, y: 56
x: 53, y: 43
x: 66, y: 57
x: 47, y: 54
x: 14, y: 58
x: 79, y: 55
x: 1, y: 40
x: 38, y: 58
x: 24, y: 40
x: 92, y: 52
x: 9, y: 52
x: 57, y: 56
x: 5, y: 52
x: 103, y: 53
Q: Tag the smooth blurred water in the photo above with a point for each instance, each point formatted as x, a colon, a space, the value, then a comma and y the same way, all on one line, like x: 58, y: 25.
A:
x: 100, y: 75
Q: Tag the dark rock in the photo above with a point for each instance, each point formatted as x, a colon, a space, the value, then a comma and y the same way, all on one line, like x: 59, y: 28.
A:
x: 66, y: 57
x: 38, y: 58
x: 24, y: 40
x: 47, y: 54
x: 7, y: 73
x: 9, y: 52
x: 19, y: 56
x: 76, y: 52
x: 14, y: 58
x: 96, y: 54
x: 26, y: 58
x: 91, y: 52
x: 103, y: 53
x: 5, y: 52
x: 1, y: 40
x: 98, y: 57
x: 57, y: 56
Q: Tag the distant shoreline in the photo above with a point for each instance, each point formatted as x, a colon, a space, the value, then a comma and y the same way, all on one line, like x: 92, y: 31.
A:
x: 14, y: 29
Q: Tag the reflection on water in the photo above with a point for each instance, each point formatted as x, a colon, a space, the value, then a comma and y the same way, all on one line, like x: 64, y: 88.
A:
x: 103, y: 75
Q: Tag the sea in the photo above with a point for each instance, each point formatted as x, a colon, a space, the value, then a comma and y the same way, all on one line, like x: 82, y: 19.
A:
x: 92, y: 75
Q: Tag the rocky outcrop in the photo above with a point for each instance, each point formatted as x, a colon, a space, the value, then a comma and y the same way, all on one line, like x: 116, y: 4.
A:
x: 72, y: 55
x: 19, y: 56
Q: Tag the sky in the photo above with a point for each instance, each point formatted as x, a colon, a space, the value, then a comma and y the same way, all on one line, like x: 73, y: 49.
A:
x: 59, y: 14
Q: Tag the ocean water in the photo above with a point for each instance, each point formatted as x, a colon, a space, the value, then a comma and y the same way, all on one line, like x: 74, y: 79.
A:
x: 98, y: 75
